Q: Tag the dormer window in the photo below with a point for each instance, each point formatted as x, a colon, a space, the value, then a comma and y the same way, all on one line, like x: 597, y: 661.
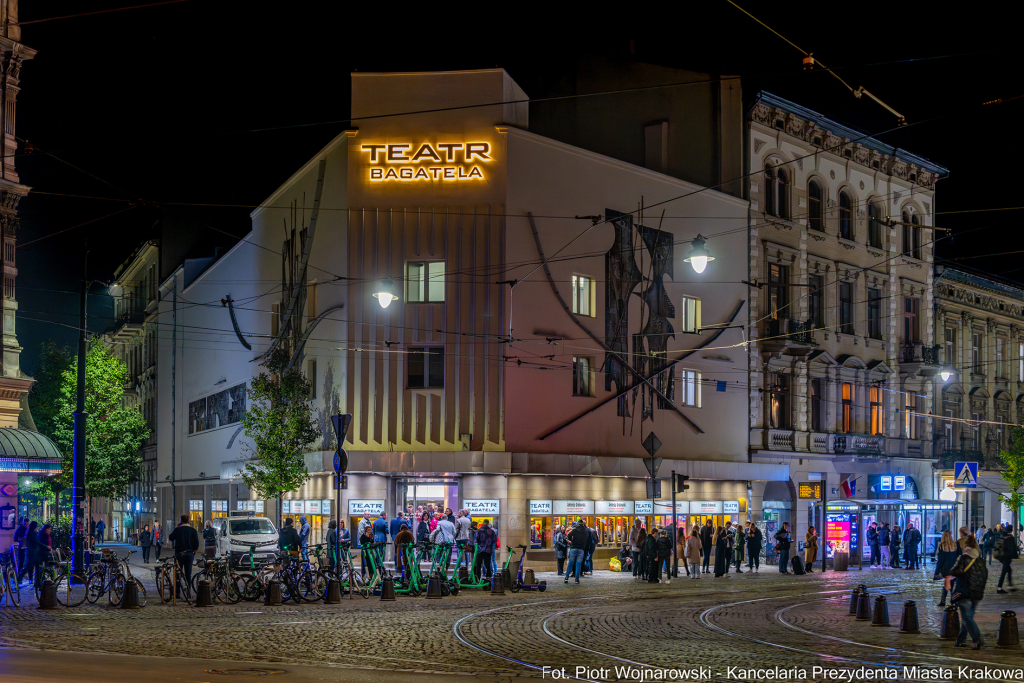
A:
x: 778, y: 124
x: 816, y: 141
x: 874, y: 164
x: 848, y: 153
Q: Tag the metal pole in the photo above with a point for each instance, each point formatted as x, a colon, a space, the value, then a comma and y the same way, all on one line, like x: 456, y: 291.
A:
x: 824, y: 528
x: 675, y: 530
x: 174, y: 403
x: 78, y: 521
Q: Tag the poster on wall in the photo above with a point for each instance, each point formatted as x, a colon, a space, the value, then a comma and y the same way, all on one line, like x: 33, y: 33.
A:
x: 866, y: 550
x: 482, y: 507
x: 839, y: 531
x: 573, y: 507
x: 643, y: 507
x: 540, y: 507
x: 358, y: 507
x: 706, y: 507
x: 613, y: 507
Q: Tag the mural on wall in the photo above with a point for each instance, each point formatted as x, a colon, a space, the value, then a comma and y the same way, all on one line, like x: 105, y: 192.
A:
x: 217, y: 410
x: 650, y: 345
x: 332, y: 406
x: 621, y: 278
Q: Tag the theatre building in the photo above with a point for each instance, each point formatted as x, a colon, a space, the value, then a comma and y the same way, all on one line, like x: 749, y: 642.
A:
x: 509, y: 319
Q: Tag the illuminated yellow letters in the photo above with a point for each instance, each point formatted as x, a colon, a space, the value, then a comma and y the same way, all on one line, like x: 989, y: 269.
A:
x: 395, y: 152
x: 426, y: 150
x: 453, y: 161
x: 479, y: 149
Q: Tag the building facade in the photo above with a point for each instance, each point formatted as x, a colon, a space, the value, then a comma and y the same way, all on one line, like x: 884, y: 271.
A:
x: 546, y: 325
x: 979, y: 323
x: 842, y: 365
x: 133, y: 340
x: 14, y: 384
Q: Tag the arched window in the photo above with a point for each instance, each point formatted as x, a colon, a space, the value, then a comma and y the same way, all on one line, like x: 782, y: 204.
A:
x: 874, y: 226
x: 916, y: 236
x: 815, y: 206
x: 908, y: 239
x: 783, y: 196
x: 770, y: 189
x: 845, y: 216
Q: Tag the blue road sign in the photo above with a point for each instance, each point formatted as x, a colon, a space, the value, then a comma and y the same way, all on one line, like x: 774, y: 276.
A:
x: 965, y: 475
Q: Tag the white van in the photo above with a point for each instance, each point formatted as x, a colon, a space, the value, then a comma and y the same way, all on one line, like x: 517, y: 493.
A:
x: 240, y: 532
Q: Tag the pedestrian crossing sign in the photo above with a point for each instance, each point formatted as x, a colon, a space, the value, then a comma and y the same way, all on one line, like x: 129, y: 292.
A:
x: 965, y: 475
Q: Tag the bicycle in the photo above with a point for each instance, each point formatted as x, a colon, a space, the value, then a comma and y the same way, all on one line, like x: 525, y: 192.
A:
x: 348, y: 575
x: 72, y: 589
x: 225, y: 585
x: 170, y: 581
x: 9, y: 586
x: 111, y: 579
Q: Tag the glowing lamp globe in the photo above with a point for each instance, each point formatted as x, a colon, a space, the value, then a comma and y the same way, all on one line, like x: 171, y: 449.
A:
x: 945, y: 375
x: 699, y: 255
x: 385, y: 293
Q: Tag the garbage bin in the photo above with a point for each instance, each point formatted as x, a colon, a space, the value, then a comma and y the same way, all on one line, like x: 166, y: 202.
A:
x: 841, y: 562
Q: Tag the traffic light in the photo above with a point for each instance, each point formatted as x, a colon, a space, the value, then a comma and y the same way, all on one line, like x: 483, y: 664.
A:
x: 681, y: 484
x: 654, y: 488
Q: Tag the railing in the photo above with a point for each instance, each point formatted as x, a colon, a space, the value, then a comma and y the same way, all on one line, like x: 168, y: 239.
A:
x: 785, y: 330
x: 916, y: 352
x: 908, y: 353
x: 819, y: 443
x: 800, y: 332
x: 930, y: 355
x: 859, y: 444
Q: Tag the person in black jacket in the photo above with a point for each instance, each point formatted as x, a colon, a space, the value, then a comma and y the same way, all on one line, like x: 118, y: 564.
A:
x: 578, y: 539
x: 972, y: 575
x: 894, y: 547
x: 884, y: 538
x: 873, y: 542
x: 1005, y: 552
x: 146, y: 543
x: 911, y: 538
x: 31, y: 549
x: 209, y: 541
x: 185, y: 540
x: 783, y: 541
x: 288, y: 539
x: 664, y: 546
x: 754, y: 542
x: 707, y: 533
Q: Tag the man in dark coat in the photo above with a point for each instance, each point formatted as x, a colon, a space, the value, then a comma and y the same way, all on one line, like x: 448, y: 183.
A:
x: 185, y: 540
x: 911, y: 538
x: 706, y: 534
x: 873, y: 542
x: 883, y: 544
x: 1006, y: 553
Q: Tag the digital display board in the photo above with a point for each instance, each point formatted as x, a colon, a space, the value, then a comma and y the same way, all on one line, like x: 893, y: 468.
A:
x: 839, y: 532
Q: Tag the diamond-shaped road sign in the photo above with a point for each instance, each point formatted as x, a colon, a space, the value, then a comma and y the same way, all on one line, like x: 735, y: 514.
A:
x: 651, y: 444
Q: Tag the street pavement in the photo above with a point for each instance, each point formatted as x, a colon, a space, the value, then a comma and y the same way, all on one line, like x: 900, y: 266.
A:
x: 749, y: 620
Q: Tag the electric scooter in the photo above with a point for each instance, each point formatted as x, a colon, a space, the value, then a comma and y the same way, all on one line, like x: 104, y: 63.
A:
x: 517, y: 582
x: 471, y: 580
x: 410, y: 582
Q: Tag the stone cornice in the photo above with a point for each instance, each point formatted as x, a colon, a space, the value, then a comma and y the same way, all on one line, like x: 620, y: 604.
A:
x: 979, y: 298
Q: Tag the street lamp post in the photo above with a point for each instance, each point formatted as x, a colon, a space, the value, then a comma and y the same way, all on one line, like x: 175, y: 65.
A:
x: 78, y: 522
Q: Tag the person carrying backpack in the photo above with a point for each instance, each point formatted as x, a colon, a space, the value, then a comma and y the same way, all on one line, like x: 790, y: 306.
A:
x: 1005, y: 550
x: 782, y: 545
x: 966, y: 585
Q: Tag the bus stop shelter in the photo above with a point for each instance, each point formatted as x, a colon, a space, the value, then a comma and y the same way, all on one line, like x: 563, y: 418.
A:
x: 847, y: 521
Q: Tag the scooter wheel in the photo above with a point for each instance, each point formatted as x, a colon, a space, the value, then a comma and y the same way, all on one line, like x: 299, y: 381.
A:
x: 515, y: 587
x: 543, y: 587
x: 454, y: 587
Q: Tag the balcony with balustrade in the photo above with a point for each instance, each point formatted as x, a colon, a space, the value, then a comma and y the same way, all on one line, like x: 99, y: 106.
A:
x: 918, y: 359
x: 792, y: 337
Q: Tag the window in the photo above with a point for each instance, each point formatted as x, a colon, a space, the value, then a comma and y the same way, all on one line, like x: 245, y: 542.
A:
x: 424, y: 282
x: 976, y: 430
x: 582, y: 376
x: 908, y: 240
x: 817, y: 406
x: 909, y: 320
x: 691, y: 314
x: 1020, y: 363
x: 815, y: 301
x: 1000, y: 357
x: 311, y: 376
x: 950, y: 346
x: 426, y: 367
x: 689, y: 388
x: 311, y: 302
x: 275, y: 318
x: 778, y: 277
x: 845, y: 216
x: 782, y: 198
x: 875, y: 313
x: 976, y: 353
x: 778, y: 405
x: 877, y: 417
x: 846, y: 307
x: 583, y: 295
x: 846, y: 404
x: 910, y: 416
x: 815, y: 206
x: 916, y: 236
x: 874, y: 226
x: 770, y: 188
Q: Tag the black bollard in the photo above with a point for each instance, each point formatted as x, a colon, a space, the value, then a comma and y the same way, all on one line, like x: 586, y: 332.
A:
x: 130, y: 597
x: 854, y: 597
x: 48, y: 595
x: 387, y: 590
x: 881, y: 615
x: 908, y: 622
x: 1007, y: 636
x: 434, y: 588
x: 497, y: 585
x: 528, y: 577
x: 333, y: 594
x: 204, y: 596
x: 273, y: 596
x: 506, y: 577
x: 950, y: 626
x: 864, y: 607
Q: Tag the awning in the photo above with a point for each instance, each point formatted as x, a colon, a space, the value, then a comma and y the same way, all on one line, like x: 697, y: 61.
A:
x: 28, y: 452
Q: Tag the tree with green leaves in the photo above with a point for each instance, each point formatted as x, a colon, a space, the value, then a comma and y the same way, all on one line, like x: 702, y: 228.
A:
x: 279, y: 422
x: 43, y: 398
x: 114, y: 431
x: 1013, y: 474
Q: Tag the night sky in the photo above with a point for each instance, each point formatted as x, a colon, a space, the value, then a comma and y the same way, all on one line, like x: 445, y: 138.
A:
x: 159, y: 107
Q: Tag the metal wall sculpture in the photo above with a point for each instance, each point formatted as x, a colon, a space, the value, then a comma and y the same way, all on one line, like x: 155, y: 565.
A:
x: 650, y: 346
x: 622, y: 277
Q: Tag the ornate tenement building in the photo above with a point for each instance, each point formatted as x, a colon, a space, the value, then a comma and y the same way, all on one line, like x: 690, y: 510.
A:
x: 979, y: 324
x: 14, y: 384
x: 841, y: 363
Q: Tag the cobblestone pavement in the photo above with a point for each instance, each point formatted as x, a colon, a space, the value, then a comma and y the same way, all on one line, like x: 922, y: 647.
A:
x: 748, y: 620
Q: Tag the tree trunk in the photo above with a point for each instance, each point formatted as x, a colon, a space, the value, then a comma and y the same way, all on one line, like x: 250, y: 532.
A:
x: 280, y: 516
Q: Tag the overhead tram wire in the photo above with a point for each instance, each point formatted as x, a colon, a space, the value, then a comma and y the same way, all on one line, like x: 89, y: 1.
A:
x: 102, y: 11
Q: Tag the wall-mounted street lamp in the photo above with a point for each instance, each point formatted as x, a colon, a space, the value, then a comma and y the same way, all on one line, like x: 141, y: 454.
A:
x: 699, y: 255
x: 946, y: 373
x: 385, y: 293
